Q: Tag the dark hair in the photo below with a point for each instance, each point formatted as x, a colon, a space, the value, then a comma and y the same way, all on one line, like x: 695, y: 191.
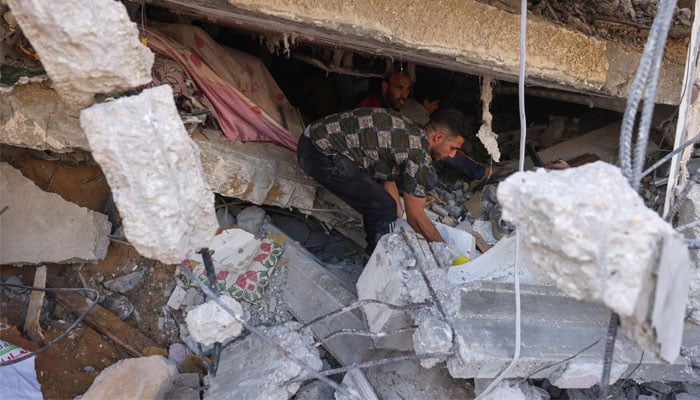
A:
x: 395, y: 71
x: 452, y: 122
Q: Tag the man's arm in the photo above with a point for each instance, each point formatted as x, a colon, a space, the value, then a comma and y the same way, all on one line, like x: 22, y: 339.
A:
x: 390, y: 186
x: 415, y: 214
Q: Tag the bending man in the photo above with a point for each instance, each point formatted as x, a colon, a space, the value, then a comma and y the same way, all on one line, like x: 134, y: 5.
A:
x: 365, y: 156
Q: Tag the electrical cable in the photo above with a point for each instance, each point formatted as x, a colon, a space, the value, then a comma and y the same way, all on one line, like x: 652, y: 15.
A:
x: 521, y: 167
x: 66, y: 332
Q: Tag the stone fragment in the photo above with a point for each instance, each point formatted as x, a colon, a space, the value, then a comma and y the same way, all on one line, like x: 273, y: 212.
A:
x: 208, y: 323
x: 485, y: 229
x: 183, y: 387
x: 133, y: 378
x: 35, y: 117
x: 251, y: 219
x: 154, y: 171
x: 124, y: 283
x: 253, y: 369
x: 86, y: 48
x: 497, y: 264
x: 432, y: 336
x: 593, y: 235
x: 46, y: 229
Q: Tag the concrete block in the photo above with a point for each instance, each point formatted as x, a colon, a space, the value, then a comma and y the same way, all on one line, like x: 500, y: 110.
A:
x: 253, y: 369
x: 554, y: 327
x: 154, y: 171
x: 251, y: 219
x: 392, y: 275
x: 35, y: 117
x: 514, y: 390
x: 86, y: 48
x: 208, y: 323
x: 311, y: 291
x: 593, y: 235
x: 133, y: 378
x: 497, y: 265
x: 46, y: 229
x: 690, y: 212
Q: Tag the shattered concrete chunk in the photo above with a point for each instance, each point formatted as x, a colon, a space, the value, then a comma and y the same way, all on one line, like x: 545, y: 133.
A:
x: 253, y: 369
x: 392, y: 276
x: 432, y: 336
x: 124, y: 283
x: 515, y: 390
x: 593, y: 235
x: 133, y: 378
x: 47, y: 229
x: 33, y: 116
x: 208, y: 323
x: 86, y: 47
x: 690, y: 212
x: 251, y: 219
x: 155, y: 173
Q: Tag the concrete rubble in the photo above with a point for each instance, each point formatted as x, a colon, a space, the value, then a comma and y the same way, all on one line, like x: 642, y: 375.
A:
x: 155, y: 174
x: 48, y: 229
x: 690, y: 212
x: 251, y: 368
x: 86, y: 48
x: 133, y: 378
x: 35, y: 117
x: 208, y: 323
x: 593, y: 235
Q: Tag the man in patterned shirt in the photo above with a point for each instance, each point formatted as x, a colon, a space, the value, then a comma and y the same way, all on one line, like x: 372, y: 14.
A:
x: 365, y: 156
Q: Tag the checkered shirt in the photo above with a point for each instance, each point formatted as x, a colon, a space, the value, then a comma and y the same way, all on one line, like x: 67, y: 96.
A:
x: 388, y: 145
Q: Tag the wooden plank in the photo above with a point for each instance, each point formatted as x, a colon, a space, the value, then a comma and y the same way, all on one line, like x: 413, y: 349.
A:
x: 480, y: 242
x: 126, y: 337
x: 36, y: 301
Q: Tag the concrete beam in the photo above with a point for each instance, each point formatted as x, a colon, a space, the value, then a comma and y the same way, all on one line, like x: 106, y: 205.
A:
x: 458, y: 35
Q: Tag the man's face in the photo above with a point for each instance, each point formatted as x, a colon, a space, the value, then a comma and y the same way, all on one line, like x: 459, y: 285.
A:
x: 443, y: 146
x: 396, y: 91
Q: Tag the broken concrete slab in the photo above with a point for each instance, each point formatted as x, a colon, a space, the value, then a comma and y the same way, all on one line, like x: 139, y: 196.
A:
x: 690, y: 212
x: 603, y: 142
x: 154, y: 171
x: 48, y: 229
x: 208, y: 323
x: 515, y: 390
x: 408, y: 380
x: 593, y: 235
x: 133, y: 378
x: 252, y: 368
x: 555, y: 327
x: 477, y: 39
x: 35, y: 117
x: 268, y: 174
x: 183, y: 387
x: 393, y: 275
x: 311, y: 291
x: 497, y: 265
x: 86, y: 48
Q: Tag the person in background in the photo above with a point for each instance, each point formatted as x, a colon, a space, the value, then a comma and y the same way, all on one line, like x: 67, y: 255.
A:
x: 425, y: 100
x: 366, y: 156
x: 395, y: 89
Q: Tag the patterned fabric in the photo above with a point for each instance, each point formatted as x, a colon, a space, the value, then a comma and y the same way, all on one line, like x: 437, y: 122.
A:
x: 245, y: 280
x: 388, y: 145
x: 246, y: 102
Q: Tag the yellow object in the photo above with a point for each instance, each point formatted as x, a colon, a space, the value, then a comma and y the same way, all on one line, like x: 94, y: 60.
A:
x: 155, y: 351
x: 144, y: 41
x: 461, y: 259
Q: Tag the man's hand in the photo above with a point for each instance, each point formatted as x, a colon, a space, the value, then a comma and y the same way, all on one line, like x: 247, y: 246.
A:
x: 415, y: 214
x: 390, y: 186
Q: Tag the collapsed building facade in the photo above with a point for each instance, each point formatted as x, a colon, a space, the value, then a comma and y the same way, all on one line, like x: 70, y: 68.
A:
x: 453, y: 326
